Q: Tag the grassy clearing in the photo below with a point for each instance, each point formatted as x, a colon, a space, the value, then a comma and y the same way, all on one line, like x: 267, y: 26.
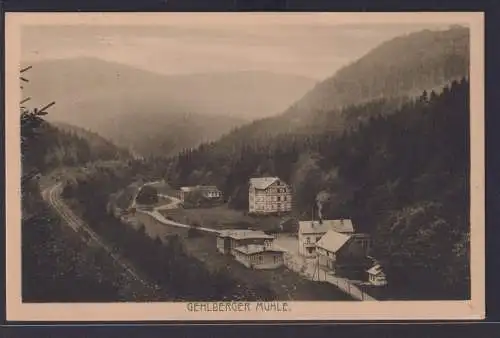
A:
x: 287, y: 284
x: 221, y: 217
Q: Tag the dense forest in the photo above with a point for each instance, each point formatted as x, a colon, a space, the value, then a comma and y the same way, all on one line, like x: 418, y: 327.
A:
x: 393, y: 72
x: 402, y: 177
x: 57, y: 265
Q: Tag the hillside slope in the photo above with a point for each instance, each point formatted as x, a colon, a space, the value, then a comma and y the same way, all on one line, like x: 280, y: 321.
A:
x: 391, y: 73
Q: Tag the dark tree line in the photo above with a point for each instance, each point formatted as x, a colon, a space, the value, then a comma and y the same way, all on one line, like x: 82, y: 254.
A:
x: 401, y: 176
x: 147, y: 195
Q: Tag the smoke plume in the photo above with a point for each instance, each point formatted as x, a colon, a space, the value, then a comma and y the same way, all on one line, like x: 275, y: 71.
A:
x: 322, y: 197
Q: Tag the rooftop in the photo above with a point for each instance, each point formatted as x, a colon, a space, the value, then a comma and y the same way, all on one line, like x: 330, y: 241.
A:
x: 242, y: 233
x: 332, y: 241
x: 256, y: 248
x: 315, y: 227
x: 263, y: 182
x: 199, y: 187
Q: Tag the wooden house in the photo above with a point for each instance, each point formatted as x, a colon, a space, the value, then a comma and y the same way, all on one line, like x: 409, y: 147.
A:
x: 228, y: 240
x: 257, y: 256
x: 200, y: 195
x: 338, y: 251
x: 376, y: 276
x: 311, y: 231
x: 269, y: 195
x: 254, y: 249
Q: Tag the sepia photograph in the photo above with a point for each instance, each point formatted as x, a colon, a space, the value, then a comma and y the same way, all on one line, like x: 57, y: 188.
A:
x: 246, y: 166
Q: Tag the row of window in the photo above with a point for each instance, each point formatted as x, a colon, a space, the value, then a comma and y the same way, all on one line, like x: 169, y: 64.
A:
x: 269, y: 208
x: 271, y: 199
x: 271, y: 191
x: 309, y: 240
x: 253, y: 258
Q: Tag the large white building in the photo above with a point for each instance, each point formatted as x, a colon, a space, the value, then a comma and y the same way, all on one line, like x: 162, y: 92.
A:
x: 269, y: 195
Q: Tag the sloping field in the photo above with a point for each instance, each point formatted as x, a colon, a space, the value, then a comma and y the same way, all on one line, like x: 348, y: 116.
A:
x: 286, y: 284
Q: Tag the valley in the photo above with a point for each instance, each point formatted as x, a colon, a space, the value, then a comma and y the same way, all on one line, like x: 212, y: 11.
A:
x: 382, y: 143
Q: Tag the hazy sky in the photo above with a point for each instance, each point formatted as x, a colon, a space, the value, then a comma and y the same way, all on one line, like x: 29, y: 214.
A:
x: 312, y: 48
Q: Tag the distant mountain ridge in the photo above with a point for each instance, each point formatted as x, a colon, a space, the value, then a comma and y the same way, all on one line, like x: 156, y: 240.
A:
x: 157, y: 114
x: 242, y: 94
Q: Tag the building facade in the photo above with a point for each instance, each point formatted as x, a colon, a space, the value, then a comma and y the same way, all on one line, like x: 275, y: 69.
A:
x: 311, y: 232
x: 376, y: 276
x: 207, y: 192
x: 254, y: 249
x: 269, y: 195
x: 228, y: 240
x: 256, y: 256
x: 336, y: 250
x: 343, y: 254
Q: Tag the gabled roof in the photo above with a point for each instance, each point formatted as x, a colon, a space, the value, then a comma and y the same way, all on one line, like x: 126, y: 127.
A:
x: 262, y: 182
x: 338, y: 225
x: 256, y: 248
x: 199, y: 187
x: 375, y: 270
x: 332, y: 241
x: 208, y: 187
x: 243, y: 234
x: 187, y: 189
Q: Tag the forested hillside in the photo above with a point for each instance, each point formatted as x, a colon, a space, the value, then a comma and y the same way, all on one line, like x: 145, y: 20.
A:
x: 58, y: 145
x: 403, y: 177
x: 393, y: 72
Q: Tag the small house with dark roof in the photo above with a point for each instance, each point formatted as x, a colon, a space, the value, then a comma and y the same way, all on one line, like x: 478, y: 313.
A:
x: 200, y: 196
x: 376, y: 276
x: 207, y: 191
x: 269, y: 195
x: 228, y: 240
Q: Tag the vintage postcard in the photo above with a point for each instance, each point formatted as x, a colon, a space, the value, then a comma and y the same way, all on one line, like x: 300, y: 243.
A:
x: 244, y: 166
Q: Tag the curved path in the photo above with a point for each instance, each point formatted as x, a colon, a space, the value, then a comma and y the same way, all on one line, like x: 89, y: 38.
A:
x: 160, y: 218
x: 293, y: 260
